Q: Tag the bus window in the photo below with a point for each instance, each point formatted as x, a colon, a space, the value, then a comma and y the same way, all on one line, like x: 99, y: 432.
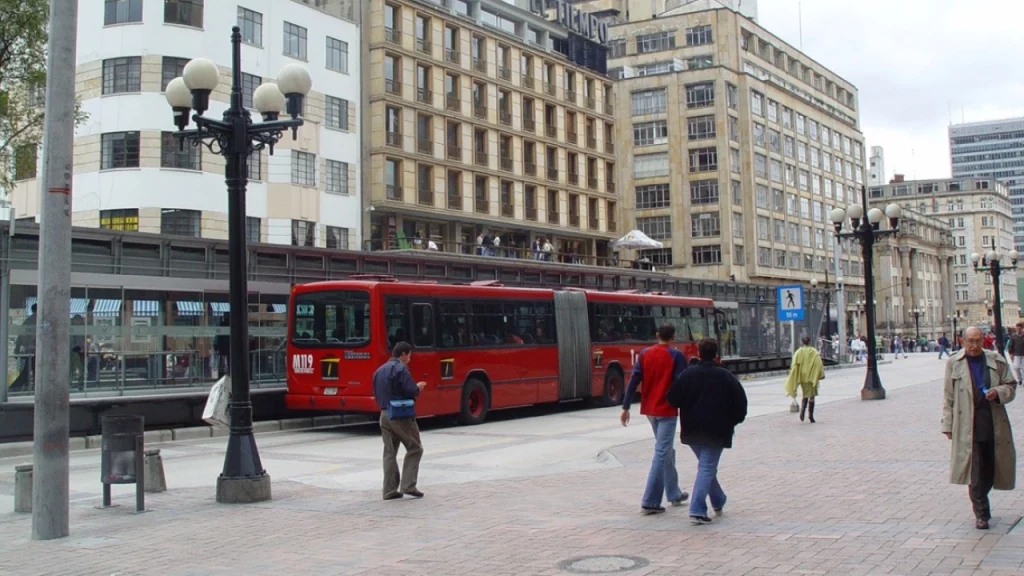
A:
x: 698, y: 323
x: 423, y: 325
x: 489, y: 327
x: 454, y: 325
x: 332, y: 318
x: 396, y: 321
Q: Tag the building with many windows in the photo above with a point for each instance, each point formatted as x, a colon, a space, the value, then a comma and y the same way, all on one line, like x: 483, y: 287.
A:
x: 978, y: 215
x: 993, y: 149
x: 621, y: 11
x: 483, y: 126
x: 734, y: 147
x: 131, y: 174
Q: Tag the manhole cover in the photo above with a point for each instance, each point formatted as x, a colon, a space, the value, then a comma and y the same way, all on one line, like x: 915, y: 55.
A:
x: 602, y: 564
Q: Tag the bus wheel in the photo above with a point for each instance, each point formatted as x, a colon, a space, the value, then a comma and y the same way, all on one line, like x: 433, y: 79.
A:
x: 614, y: 388
x: 475, y: 402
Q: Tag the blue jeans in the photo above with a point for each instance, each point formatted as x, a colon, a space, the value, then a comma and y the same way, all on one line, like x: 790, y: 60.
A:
x: 663, y: 478
x: 706, y: 484
x: 943, y: 350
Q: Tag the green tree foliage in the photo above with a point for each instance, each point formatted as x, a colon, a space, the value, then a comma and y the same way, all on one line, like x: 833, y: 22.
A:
x: 23, y: 39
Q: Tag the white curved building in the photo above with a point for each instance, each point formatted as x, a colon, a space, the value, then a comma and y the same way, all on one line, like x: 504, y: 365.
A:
x: 129, y: 172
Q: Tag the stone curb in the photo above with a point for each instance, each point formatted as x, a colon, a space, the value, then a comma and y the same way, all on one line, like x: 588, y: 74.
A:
x: 14, y: 449
x: 777, y: 373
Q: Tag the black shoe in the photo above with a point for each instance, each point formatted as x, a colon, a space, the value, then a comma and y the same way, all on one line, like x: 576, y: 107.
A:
x: 413, y: 493
x: 393, y: 496
x: 682, y: 500
x: 803, y: 409
x: 646, y: 511
x: 981, y: 524
x: 700, y: 520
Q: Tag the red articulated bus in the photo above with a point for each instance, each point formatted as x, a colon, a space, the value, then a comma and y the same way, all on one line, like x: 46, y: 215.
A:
x: 479, y: 347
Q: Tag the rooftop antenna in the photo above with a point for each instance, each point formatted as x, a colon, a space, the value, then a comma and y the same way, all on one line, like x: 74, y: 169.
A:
x: 800, y: 16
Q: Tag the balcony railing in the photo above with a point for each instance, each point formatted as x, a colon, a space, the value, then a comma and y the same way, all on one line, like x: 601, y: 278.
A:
x: 609, y: 186
x: 479, y: 64
x: 574, y: 220
x: 528, y: 82
x: 609, y: 109
x: 480, y: 111
x: 506, y: 163
x: 481, y: 158
x: 454, y: 201
x: 553, y: 174
x: 591, y: 142
x: 572, y: 137
x: 609, y: 147
x: 394, y: 139
x: 482, y: 205
x: 570, y: 95
x: 425, y: 196
x: 530, y: 168
x: 549, y: 87
x: 451, y: 55
x: 505, y: 117
x: 508, y: 210
x: 553, y: 217
x: 424, y: 146
x: 424, y: 95
x: 551, y: 130
x: 452, y: 102
x: 595, y: 224
x: 531, y: 214
x: 393, y: 36
x: 529, y: 124
x: 574, y: 178
x: 504, y: 72
x: 592, y: 182
x: 393, y: 192
x: 424, y: 46
x: 392, y: 86
x: 612, y: 226
x: 453, y: 151
x: 590, y: 102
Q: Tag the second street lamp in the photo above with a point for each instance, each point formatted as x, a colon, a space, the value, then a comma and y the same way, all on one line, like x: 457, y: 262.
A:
x: 916, y: 313
x: 235, y: 137
x: 992, y: 263
x: 866, y: 228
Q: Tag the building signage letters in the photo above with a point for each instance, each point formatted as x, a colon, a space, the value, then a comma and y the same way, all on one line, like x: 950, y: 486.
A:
x: 584, y: 24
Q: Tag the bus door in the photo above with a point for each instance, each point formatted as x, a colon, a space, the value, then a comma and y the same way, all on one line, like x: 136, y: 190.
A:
x: 425, y: 364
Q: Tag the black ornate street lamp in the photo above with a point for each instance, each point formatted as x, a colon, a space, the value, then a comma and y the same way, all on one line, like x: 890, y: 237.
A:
x: 993, y: 262
x: 235, y: 137
x: 865, y: 225
x: 916, y: 313
x: 954, y: 317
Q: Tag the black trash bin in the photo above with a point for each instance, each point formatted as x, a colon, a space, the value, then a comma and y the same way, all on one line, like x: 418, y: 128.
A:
x: 121, y: 456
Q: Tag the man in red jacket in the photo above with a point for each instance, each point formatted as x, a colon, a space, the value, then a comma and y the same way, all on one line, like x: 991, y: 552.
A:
x: 657, y: 367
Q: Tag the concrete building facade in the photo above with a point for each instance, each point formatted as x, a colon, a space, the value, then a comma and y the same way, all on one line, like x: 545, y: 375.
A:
x: 876, y: 167
x: 978, y: 214
x: 622, y: 11
x: 993, y: 149
x: 483, y: 126
x: 129, y: 173
x: 735, y: 147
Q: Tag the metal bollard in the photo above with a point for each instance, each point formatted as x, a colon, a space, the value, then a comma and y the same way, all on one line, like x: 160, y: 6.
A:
x: 154, y: 466
x: 23, y: 488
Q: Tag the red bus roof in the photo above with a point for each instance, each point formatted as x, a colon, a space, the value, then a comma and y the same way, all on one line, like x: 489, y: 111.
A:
x: 441, y: 290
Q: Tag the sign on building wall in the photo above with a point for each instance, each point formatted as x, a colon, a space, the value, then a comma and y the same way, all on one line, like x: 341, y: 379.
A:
x: 575, y: 20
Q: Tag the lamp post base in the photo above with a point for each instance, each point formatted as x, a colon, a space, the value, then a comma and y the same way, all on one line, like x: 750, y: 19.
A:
x: 872, y: 394
x: 243, y: 490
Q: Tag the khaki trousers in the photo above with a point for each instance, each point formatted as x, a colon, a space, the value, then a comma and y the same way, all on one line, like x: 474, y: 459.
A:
x: 407, y: 433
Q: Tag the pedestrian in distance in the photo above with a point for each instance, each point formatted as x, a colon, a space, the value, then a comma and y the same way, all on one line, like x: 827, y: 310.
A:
x: 977, y: 387
x: 1015, y: 352
x: 396, y: 394
x: 806, y: 370
x: 711, y: 403
x: 943, y: 346
x: 657, y: 367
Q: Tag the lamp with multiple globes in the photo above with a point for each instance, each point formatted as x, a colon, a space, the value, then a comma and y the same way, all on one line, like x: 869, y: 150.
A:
x: 992, y: 263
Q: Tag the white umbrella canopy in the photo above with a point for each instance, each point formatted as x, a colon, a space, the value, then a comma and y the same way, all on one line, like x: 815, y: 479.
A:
x: 637, y: 239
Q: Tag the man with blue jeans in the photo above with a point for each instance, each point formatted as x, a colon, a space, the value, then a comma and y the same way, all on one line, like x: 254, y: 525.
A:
x: 711, y: 402
x: 657, y: 367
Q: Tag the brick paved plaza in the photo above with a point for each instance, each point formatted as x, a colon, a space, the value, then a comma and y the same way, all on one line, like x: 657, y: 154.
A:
x: 863, y: 491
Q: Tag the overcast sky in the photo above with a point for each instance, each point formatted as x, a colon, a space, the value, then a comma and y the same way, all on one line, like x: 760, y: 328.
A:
x: 918, y: 64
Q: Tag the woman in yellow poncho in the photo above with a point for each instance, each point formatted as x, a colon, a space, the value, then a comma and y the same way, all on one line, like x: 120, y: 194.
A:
x: 806, y: 371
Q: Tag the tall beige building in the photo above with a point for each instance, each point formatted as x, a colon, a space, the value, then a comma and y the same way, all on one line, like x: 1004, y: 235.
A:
x: 481, y: 125
x: 979, y: 217
x: 734, y: 148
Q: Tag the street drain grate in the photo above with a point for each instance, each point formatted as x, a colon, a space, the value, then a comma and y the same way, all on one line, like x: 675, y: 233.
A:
x: 602, y: 564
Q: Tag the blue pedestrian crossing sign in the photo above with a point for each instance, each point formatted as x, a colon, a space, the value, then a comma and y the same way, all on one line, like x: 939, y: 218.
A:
x: 790, y: 301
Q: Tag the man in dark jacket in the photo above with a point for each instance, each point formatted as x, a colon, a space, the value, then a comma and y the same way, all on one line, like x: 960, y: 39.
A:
x: 392, y: 381
x: 711, y: 403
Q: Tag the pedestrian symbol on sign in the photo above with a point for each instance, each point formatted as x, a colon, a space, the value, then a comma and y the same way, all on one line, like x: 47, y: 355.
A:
x: 790, y: 302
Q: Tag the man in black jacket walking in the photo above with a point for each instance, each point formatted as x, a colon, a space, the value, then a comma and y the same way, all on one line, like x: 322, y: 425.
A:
x: 711, y: 403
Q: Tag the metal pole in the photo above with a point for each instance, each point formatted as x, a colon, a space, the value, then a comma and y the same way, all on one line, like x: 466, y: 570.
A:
x: 243, y: 480
x: 5, y: 307
x: 997, y: 311
x: 840, y: 301
x: 872, y: 382
x: 50, y: 478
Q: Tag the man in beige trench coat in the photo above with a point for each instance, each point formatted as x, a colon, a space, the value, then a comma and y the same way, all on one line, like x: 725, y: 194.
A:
x: 977, y: 387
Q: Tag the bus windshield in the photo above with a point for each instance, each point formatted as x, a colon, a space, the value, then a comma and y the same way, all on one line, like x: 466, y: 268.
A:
x: 331, y: 318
